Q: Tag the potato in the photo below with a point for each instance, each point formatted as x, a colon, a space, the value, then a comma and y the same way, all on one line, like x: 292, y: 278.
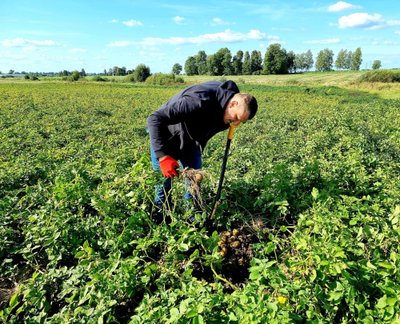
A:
x: 235, y: 244
x: 198, y: 177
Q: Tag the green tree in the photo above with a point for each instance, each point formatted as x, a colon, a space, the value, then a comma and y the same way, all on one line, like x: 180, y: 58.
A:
x: 177, y: 69
x: 141, y: 73
x: 237, y: 63
x: 213, y: 65
x: 290, y: 62
x: 201, y: 63
x: 83, y: 72
x: 340, y: 62
x: 119, y: 70
x: 256, y: 62
x: 246, y: 64
x: 308, y: 60
x: 75, y: 75
x: 190, y: 66
x: 227, y: 62
x: 376, y: 65
x: 275, y: 60
x: 356, y: 60
x: 324, y: 61
x: 221, y: 62
x: 349, y: 59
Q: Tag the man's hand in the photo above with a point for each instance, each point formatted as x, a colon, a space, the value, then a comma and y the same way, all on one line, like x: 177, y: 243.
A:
x: 169, y: 166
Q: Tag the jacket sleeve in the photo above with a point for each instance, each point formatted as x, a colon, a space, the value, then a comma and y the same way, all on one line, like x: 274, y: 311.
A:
x: 173, y: 112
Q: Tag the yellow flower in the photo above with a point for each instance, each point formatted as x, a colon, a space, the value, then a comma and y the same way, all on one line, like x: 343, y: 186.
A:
x: 281, y: 299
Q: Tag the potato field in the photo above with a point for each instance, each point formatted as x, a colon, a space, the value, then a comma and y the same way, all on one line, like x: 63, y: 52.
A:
x: 307, y: 229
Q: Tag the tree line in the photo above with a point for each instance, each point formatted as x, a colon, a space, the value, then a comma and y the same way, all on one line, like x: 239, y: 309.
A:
x: 277, y: 60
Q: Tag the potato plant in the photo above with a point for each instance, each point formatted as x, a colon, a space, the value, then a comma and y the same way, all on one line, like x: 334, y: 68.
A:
x: 311, y: 188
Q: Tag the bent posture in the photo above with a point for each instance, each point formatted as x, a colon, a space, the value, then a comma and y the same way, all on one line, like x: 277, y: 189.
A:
x: 180, y: 128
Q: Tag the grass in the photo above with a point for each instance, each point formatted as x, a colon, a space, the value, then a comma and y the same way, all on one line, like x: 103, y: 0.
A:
x: 342, y: 79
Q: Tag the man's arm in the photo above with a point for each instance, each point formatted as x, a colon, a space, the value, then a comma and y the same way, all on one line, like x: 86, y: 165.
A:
x: 173, y: 112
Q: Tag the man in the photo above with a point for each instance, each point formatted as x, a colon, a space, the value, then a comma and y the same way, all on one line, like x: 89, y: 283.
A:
x: 180, y: 129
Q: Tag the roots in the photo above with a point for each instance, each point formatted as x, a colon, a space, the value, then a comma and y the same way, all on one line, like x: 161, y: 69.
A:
x: 193, y: 179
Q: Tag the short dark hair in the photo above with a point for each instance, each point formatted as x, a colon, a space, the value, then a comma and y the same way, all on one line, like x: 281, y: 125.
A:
x: 252, y: 106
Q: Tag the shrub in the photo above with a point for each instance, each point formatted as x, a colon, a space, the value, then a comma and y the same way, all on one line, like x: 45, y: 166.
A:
x: 163, y: 79
x: 130, y: 77
x: 381, y: 76
x: 141, y: 73
x: 98, y: 78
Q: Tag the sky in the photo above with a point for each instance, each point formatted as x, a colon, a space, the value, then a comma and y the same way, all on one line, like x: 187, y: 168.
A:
x: 56, y: 35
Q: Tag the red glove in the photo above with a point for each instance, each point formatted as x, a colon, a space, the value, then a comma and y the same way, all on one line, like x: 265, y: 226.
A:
x: 169, y: 166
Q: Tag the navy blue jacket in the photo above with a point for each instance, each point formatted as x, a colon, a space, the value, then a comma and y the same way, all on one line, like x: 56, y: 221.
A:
x: 190, y: 118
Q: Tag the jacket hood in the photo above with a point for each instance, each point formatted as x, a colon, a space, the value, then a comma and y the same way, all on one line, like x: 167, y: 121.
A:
x: 226, y: 91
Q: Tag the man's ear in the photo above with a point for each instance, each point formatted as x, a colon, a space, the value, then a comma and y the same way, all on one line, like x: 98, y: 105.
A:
x: 232, y: 103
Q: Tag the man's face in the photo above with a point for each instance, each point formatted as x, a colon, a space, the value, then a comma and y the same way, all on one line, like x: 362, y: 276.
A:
x: 235, y: 113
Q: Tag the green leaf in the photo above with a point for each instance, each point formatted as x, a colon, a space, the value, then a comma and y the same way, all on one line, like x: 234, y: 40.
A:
x: 386, y: 265
x: 198, y: 320
x: 255, y: 272
x: 183, y: 247
x: 381, y: 302
x: 192, y: 313
x: 174, y: 313
x: 14, y: 300
x: 391, y: 301
x: 80, y: 254
x: 315, y: 193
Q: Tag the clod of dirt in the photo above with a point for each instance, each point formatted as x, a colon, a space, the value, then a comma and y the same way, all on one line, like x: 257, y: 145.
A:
x: 235, y: 248
x: 7, y: 290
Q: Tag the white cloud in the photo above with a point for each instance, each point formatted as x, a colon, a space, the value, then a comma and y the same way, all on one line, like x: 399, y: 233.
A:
x: 132, y: 23
x: 384, y: 43
x: 227, y: 36
x: 324, y: 41
x: 341, y: 6
x: 178, y: 20
x: 397, y: 32
x: 218, y: 21
x: 114, y: 21
x: 22, y: 42
x: 78, y: 50
x: 360, y: 20
x: 121, y: 43
x: 391, y: 23
x: 367, y: 21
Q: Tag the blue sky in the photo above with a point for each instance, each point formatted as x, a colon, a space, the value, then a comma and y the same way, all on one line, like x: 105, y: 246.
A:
x: 55, y: 35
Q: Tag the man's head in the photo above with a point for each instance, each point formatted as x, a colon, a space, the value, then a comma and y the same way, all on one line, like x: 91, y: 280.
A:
x: 240, y: 108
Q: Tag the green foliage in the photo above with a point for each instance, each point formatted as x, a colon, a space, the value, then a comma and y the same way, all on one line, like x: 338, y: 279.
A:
x: 315, y: 177
x: 98, y: 78
x: 75, y: 75
x: 303, y: 61
x: 356, y: 59
x: 190, y: 66
x: 163, y: 79
x: 275, y: 60
x: 324, y: 61
x: 376, y: 65
x: 141, y: 73
x: 177, y: 69
x: 341, y: 60
x: 381, y: 76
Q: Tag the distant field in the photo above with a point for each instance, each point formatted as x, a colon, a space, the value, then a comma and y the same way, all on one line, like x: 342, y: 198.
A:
x: 343, y: 79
